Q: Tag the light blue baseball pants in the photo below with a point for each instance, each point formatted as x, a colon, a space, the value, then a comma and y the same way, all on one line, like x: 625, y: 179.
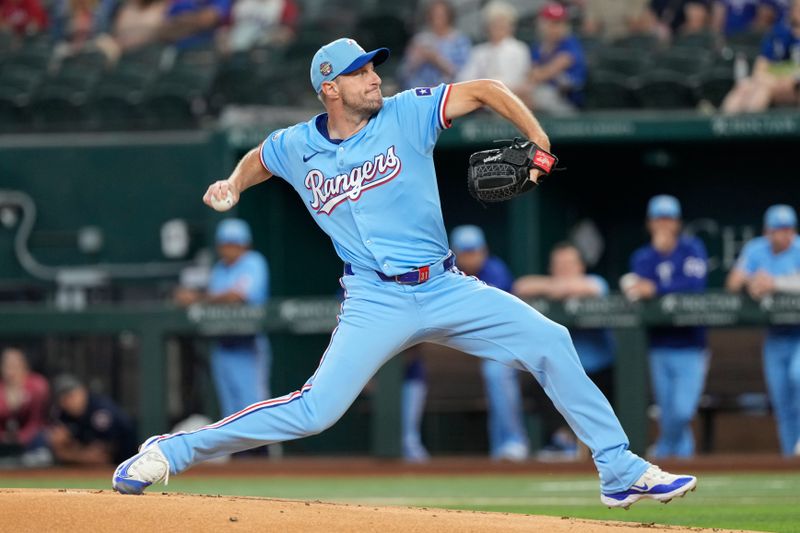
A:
x: 241, y: 374
x: 380, y: 319
x: 782, y: 373
x: 678, y: 376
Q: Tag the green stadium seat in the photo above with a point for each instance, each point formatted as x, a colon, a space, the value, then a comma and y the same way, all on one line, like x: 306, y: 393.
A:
x: 664, y: 90
x: 714, y: 85
x: 638, y: 42
x: 622, y: 62
x: 696, y: 41
x: 608, y: 90
x: 748, y: 43
x: 35, y: 54
x: 115, y: 102
x: 684, y: 61
x: 382, y: 29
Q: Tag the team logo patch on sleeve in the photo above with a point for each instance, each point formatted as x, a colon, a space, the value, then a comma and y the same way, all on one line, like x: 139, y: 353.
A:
x: 423, y: 91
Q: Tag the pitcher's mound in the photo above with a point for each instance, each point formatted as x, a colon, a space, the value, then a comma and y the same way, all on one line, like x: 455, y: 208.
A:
x: 83, y: 510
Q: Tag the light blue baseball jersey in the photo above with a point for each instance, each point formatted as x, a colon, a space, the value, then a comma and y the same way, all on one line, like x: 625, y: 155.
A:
x: 758, y: 255
x: 249, y: 276
x: 389, y: 160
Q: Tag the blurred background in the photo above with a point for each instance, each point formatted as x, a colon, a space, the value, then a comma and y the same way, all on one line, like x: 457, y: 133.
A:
x: 118, y: 303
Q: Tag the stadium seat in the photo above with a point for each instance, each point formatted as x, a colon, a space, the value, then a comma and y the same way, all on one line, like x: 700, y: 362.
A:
x: 714, y: 85
x: 35, y: 54
x: 115, y: 102
x: 683, y: 61
x: 18, y: 84
x: 664, y: 90
x: 608, y: 90
x: 381, y: 29
x: 176, y: 99
x: 696, y: 41
x: 639, y: 42
x: 621, y: 62
x: 748, y: 43
x: 60, y: 100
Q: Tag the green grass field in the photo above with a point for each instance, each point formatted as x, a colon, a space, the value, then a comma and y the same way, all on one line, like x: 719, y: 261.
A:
x: 761, y: 502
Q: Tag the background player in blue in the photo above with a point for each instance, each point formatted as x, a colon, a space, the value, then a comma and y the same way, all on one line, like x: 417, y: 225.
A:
x: 771, y: 264
x: 239, y: 363
x: 364, y: 170
x: 678, y: 357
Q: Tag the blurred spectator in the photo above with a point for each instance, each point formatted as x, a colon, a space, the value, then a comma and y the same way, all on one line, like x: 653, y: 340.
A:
x: 23, y: 402
x: 437, y: 53
x: 77, y: 22
x: 558, y: 74
x: 774, y: 79
x: 568, y: 279
x: 257, y: 22
x: 614, y: 19
x: 138, y: 23
x: 767, y: 265
x: 240, y: 363
x: 22, y: 17
x: 192, y: 23
x: 681, y: 16
x: 90, y: 428
x: 508, y: 440
x: 504, y: 57
x: 730, y: 17
x: 672, y: 263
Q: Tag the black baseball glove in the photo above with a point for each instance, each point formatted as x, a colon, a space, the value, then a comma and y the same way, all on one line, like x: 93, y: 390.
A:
x: 504, y: 173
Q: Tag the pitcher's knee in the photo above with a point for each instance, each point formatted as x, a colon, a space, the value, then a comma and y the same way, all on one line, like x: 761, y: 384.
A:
x: 320, y: 421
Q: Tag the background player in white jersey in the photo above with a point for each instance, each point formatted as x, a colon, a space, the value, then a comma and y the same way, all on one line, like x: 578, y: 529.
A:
x: 364, y: 170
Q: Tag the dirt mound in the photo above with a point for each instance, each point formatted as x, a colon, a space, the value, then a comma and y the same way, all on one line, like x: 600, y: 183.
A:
x: 83, y: 510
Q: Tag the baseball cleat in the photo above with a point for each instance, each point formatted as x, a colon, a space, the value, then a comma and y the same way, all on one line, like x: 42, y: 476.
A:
x: 148, y: 466
x: 654, y: 484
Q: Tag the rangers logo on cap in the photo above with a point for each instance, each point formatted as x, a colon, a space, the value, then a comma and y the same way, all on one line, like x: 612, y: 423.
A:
x: 325, y: 68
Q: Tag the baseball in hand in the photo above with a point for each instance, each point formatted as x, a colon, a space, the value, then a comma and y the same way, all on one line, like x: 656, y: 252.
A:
x: 224, y: 204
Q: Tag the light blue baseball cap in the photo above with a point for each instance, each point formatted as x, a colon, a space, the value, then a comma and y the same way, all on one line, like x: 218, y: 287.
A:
x: 780, y: 216
x: 467, y: 238
x: 342, y: 56
x: 234, y: 231
x: 664, y: 206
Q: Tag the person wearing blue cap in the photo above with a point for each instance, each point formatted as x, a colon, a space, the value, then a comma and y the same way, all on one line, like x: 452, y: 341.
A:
x: 364, y: 170
x: 672, y: 263
x: 508, y: 440
x: 767, y: 265
x: 239, y: 363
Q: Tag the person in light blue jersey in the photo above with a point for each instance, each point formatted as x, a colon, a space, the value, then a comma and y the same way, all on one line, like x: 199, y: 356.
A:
x: 672, y: 263
x: 364, y: 170
x: 239, y: 363
x: 767, y: 265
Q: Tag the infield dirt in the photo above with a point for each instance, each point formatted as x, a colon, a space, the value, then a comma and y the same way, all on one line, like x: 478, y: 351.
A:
x: 35, y: 510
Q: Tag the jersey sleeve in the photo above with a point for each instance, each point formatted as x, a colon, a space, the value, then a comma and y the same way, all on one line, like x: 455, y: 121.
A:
x: 274, y: 153
x: 420, y: 112
x: 641, y: 265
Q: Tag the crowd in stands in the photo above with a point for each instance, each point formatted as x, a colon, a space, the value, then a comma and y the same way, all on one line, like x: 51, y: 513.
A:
x: 42, y: 423
x: 559, y: 57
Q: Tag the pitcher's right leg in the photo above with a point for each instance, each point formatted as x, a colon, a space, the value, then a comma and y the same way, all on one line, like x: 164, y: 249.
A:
x: 372, y: 328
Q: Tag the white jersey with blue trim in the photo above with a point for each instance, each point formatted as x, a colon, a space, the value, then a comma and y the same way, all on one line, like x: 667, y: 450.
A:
x: 374, y: 193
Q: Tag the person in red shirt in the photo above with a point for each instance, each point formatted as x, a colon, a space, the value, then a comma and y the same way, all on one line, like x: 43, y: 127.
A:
x: 23, y: 402
x: 23, y: 17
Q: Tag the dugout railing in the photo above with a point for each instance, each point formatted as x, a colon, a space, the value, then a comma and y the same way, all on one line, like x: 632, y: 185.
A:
x: 154, y: 324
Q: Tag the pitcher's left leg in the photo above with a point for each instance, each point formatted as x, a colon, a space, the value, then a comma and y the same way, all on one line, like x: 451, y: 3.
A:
x: 470, y: 316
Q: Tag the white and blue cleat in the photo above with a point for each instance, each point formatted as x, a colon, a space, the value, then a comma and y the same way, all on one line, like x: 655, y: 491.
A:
x: 654, y: 484
x: 148, y: 466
